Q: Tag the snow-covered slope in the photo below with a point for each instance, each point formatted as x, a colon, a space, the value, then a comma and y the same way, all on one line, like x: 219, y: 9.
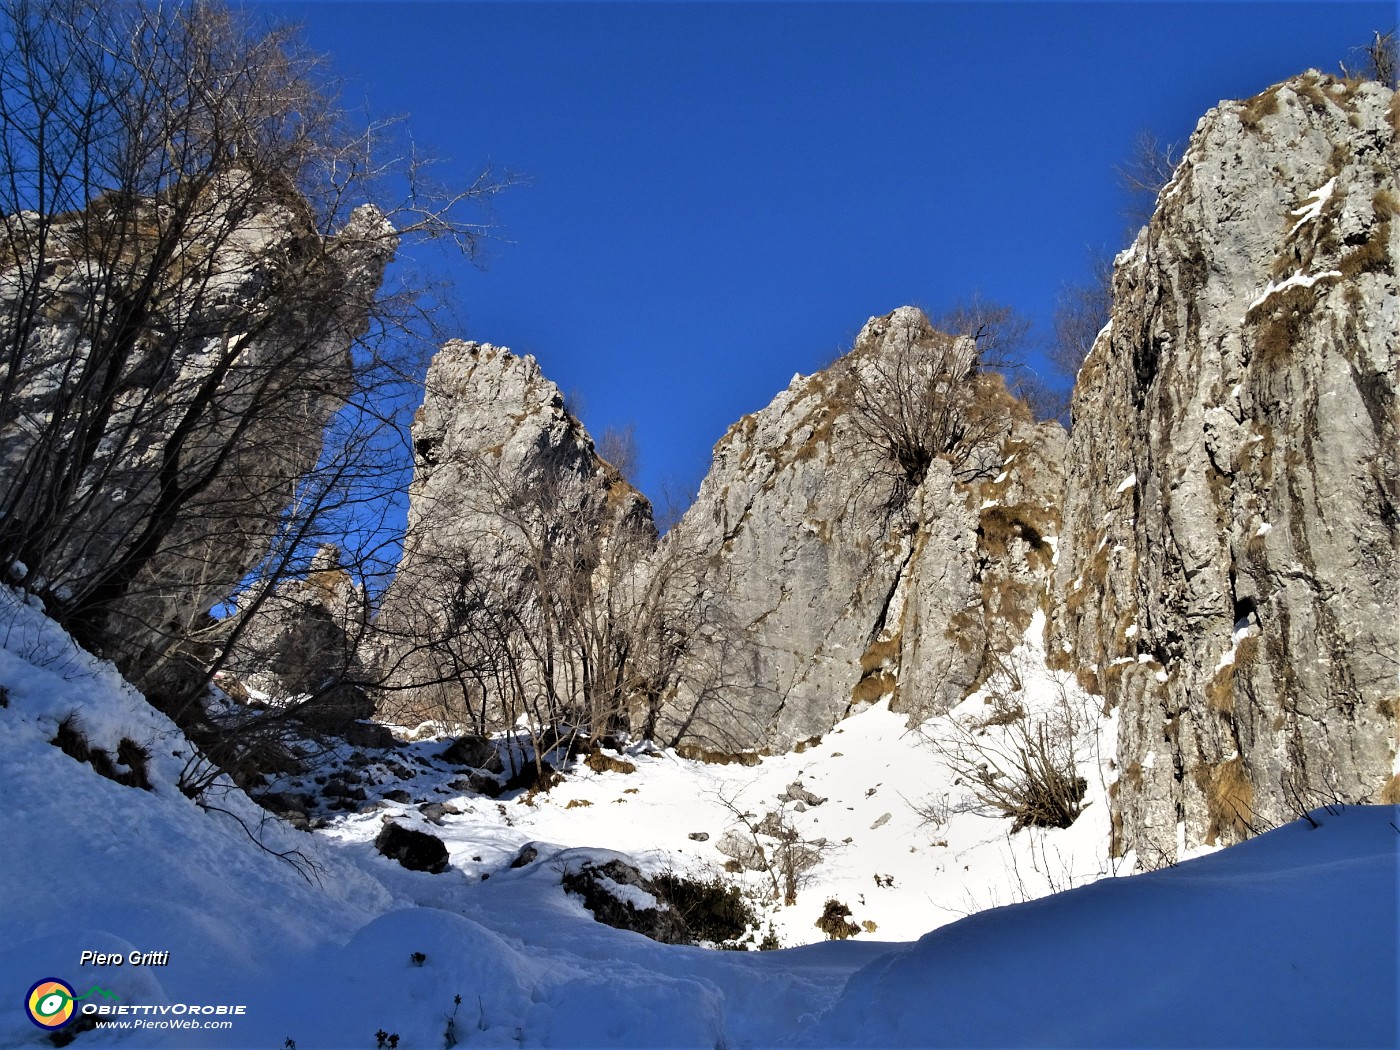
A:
x: 93, y: 865
x: 1289, y: 939
x: 903, y: 847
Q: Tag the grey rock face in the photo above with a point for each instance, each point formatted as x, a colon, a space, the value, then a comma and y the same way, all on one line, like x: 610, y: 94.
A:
x: 514, y: 526
x: 300, y: 647
x: 234, y: 356
x: 851, y: 564
x: 1228, y: 566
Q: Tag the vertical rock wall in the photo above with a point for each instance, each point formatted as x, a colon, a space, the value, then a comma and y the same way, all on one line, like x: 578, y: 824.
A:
x: 1228, y: 568
x: 509, y: 511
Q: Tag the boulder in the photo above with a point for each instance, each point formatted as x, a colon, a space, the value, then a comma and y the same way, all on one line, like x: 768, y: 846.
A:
x: 474, y: 752
x: 369, y: 734
x: 415, y: 850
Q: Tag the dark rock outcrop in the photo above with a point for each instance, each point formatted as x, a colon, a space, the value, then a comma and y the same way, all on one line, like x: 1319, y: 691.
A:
x: 415, y: 850
x: 474, y: 752
x: 620, y: 896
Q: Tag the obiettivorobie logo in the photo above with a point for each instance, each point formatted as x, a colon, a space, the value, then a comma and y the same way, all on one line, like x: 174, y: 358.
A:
x: 50, y: 1002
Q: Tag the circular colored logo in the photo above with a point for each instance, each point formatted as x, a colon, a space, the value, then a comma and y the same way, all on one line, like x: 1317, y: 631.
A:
x: 50, y: 1003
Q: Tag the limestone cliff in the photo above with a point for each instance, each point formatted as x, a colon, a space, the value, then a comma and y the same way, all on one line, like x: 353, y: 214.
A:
x: 1228, y: 565
x: 171, y: 365
x: 1215, y: 545
x: 876, y: 531
x: 514, y: 525
x: 299, y: 646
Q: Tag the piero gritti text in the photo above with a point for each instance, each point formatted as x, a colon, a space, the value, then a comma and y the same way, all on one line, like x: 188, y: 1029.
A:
x: 133, y: 958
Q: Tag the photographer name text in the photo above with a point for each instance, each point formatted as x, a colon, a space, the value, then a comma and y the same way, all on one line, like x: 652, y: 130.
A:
x: 130, y: 959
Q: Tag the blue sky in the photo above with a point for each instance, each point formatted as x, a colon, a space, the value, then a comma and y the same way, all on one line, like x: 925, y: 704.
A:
x: 719, y: 195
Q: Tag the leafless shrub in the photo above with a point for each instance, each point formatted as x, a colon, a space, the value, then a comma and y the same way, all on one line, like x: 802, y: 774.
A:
x: 555, y: 609
x: 923, y: 398
x: 1380, y: 60
x: 1025, y: 768
x: 618, y: 445
x: 782, y: 852
x: 934, y: 811
x: 1081, y: 311
x: 1147, y: 170
x: 999, y: 333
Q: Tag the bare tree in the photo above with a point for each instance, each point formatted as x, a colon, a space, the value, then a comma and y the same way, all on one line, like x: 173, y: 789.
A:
x: 676, y: 498
x: 1000, y: 334
x: 1380, y: 60
x: 1149, y: 167
x: 775, y: 846
x: 1003, y: 340
x: 1081, y: 311
x: 554, y: 608
x: 618, y: 445
x: 189, y: 292
x: 922, y: 397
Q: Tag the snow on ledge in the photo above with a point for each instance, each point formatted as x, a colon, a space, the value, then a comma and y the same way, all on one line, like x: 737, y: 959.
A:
x: 1298, y: 280
x: 635, y: 896
x: 1313, y: 205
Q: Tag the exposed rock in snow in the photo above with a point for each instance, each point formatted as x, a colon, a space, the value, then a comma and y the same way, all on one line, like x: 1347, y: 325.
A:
x: 1232, y: 409
x: 415, y: 850
x: 620, y: 896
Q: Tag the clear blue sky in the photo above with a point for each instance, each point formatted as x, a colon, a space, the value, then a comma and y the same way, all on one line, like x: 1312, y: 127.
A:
x: 721, y: 194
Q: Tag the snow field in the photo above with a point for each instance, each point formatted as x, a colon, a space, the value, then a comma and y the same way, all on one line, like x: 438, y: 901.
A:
x: 1288, y: 940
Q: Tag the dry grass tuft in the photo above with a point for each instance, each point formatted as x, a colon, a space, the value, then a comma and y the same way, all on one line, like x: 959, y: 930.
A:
x: 835, y: 921
x: 601, y: 763
x: 873, y: 686
x: 1386, y: 204
x: 696, y: 753
x: 1371, y: 257
x: 1281, y: 320
x: 1229, y: 800
x: 1220, y: 690
x: 1390, y: 793
x: 1262, y: 105
x: 880, y: 653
